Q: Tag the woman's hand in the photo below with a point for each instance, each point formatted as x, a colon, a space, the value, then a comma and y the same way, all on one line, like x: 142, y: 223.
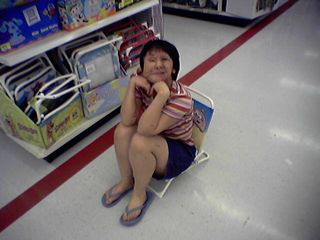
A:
x: 142, y: 82
x: 161, y: 88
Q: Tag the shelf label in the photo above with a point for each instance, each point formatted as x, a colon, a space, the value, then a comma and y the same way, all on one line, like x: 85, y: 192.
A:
x: 5, y: 47
x: 31, y: 15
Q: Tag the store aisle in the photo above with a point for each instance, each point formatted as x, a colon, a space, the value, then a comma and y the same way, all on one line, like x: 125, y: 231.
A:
x: 262, y: 180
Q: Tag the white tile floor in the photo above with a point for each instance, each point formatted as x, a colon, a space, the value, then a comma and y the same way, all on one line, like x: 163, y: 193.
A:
x: 262, y: 181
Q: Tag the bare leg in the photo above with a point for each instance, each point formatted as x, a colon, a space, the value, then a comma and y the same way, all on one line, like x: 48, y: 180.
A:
x: 122, y: 138
x: 147, y: 155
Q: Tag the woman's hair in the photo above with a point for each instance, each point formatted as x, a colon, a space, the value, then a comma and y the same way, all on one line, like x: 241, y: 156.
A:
x: 165, y: 46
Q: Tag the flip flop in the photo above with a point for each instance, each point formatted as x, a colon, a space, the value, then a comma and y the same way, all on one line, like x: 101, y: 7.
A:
x: 143, y: 208
x: 116, y: 196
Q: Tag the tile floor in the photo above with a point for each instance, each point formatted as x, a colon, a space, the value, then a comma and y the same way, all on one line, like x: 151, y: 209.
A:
x: 262, y: 181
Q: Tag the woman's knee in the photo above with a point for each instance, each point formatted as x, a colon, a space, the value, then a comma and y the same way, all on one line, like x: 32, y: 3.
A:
x: 123, y: 132
x: 140, y: 153
x: 139, y: 143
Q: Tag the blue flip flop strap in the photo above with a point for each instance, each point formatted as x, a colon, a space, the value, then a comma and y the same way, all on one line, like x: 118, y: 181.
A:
x: 128, y: 212
x: 113, y: 195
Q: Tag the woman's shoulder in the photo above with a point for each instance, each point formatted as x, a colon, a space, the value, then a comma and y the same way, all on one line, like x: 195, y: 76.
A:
x: 180, y: 90
x: 180, y: 97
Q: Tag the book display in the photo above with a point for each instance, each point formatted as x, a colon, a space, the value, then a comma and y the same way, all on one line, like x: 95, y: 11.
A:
x: 57, y: 86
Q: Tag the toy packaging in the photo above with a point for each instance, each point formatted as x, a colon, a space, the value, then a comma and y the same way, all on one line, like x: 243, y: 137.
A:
x: 38, y: 105
x: 66, y: 52
x: 24, y: 24
x: 22, y: 82
x: 98, y: 62
x: 78, y: 13
x: 53, y: 111
x: 92, y: 57
x: 95, y: 58
x: 52, y: 97
x: 18, y: 124
x: 104, y: 98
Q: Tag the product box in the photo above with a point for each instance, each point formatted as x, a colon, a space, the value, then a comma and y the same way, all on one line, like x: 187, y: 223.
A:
x: 251, y: 9
x: 24, y: 24
x: 104, y: 98
x: 120, y: 4
x: 18, y: 124
x: 78, y: 13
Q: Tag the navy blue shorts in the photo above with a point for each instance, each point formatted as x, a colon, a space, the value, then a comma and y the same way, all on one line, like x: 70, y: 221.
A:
x: 180, y: 158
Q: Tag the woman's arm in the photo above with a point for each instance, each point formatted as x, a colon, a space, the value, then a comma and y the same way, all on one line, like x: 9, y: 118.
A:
x: 153, y: 121
x: 131, y: 106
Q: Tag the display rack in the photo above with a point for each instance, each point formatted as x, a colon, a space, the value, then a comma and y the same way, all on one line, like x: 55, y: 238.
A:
x: 233, y: 12
x: 62, y: 37
x: 192, y: 9
x: 44, y: 153
x: 150, y: 10
x: 204, y: 14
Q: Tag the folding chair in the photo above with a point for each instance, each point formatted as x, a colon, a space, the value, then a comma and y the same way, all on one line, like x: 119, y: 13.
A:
x: 203, y: 107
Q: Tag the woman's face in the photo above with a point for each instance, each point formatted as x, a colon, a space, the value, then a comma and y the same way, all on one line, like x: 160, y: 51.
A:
x: 158, y: 66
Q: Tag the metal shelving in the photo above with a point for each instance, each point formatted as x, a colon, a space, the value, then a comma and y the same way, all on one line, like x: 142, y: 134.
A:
x: 43, y: 153
x: 62, y: 37
x: 154, y: 8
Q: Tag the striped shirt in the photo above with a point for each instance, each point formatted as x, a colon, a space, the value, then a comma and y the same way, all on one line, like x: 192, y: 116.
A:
x: 178, y: 106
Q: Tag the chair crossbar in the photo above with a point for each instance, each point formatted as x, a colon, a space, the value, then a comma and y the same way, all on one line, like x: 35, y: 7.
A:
x: 160, y: 187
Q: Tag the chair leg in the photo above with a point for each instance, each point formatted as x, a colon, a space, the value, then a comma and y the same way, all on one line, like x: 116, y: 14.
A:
x: 201, y: 157
x: 163, y: 189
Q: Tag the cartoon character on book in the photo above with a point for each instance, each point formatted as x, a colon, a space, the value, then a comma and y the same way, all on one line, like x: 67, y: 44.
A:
x: 63, y: 13
x: 10, y: 123
x: 108, y: 4
x: 13, y: 28
x: 77, y: 14
x: 94, y: 7
x: 50, y: 10
x: 50, y: 128
x: 199, y: 119
x: 93, y: 102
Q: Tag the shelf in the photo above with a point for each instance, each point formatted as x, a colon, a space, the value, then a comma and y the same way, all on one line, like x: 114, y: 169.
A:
x: 192, y: 9
x: 147, y: 8
x: 206, y: 14
x: 43, y: 153
x: 236, y: 13
x: 63, y: 36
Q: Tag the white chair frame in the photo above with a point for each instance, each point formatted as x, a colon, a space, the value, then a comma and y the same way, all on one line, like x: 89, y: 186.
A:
x: 160, y: 187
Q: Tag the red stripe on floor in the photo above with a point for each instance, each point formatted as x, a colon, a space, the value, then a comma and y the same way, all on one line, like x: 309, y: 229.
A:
x: 32, y: 196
